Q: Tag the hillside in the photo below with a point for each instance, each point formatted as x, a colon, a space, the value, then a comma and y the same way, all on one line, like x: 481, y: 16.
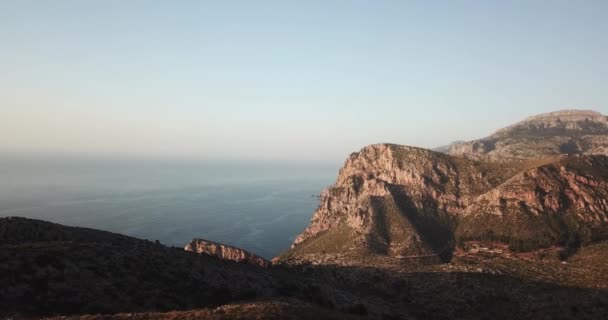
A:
x: 527, y: 190
x: 47, y: 269
x: 406, y: 202
x: 52, y: 269
x: 46, y: 274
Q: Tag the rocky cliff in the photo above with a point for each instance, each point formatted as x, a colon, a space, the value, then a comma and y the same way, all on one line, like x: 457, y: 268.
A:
x: 225, y: 252
x: 403, y: 202
x: 560, y: 132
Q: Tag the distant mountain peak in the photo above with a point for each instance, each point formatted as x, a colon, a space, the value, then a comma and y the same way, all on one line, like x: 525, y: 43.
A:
x: 560, y: 118
x: 567, y: 115
x: 553, y: 133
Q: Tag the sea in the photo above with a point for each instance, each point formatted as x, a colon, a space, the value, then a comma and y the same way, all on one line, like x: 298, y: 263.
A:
x: 257, y: 206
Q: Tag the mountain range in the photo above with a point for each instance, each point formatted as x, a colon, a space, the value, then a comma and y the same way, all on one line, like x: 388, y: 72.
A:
x: 561, y: 132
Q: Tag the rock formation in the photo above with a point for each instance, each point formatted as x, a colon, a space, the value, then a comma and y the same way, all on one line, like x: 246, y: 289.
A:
x: 404, y: 201
x: 225, y: 252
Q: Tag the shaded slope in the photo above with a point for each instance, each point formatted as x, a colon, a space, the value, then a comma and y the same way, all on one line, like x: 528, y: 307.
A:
x: 265, y: 309
x: 147, y: 280
x: 47, y: 268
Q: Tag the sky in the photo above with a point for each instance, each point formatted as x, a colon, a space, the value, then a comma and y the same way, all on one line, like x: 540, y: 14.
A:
x: 288, y: 80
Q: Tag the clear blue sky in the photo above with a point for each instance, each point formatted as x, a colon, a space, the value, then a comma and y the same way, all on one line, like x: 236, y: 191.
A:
x: 306, y: 80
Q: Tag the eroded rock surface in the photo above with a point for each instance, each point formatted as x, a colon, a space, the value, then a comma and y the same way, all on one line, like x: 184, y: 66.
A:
x: 225, y: 252
x: 409, y: 202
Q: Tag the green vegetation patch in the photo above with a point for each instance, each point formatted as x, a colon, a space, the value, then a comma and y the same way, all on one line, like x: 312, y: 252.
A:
x: 524, y: 231
x: 336, y: 240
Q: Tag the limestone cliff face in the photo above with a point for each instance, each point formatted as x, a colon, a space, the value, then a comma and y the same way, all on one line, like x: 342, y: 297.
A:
x: 225, y: 252
x: 404, y: 201
x: 397, y: 200
x: 561, y: 132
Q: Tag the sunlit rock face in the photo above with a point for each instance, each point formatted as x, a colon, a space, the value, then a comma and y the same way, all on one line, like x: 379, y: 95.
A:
x: 541, y: 182
x: 225, y: 252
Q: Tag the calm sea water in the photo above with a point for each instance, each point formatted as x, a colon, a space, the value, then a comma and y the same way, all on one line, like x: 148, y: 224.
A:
x: 258, y: 207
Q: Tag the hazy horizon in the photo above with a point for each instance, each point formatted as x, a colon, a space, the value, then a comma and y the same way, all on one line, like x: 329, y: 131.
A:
x: 287, y: 81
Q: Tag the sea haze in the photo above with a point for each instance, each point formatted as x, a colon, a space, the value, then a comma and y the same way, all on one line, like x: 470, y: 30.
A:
x: 260, y: 207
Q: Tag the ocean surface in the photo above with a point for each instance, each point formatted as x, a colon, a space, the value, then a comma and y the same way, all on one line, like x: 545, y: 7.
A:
x: 260, y: 207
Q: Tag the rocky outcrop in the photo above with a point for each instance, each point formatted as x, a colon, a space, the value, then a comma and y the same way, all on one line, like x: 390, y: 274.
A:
x: 225, y: 252
x: 561, y: 132
x: 395, y: 200
x: 404, y: 201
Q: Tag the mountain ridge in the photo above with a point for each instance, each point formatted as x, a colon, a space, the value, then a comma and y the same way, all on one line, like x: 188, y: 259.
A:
x: 553, y: 133
x: 408, y: 201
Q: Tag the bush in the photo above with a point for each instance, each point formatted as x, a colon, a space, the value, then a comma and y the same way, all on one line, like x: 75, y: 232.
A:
x: 358, y: 309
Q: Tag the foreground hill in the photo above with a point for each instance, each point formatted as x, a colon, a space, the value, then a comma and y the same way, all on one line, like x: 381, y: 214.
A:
x: 560, y: 132
x: 48, y: 268
x: 52, y: 271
